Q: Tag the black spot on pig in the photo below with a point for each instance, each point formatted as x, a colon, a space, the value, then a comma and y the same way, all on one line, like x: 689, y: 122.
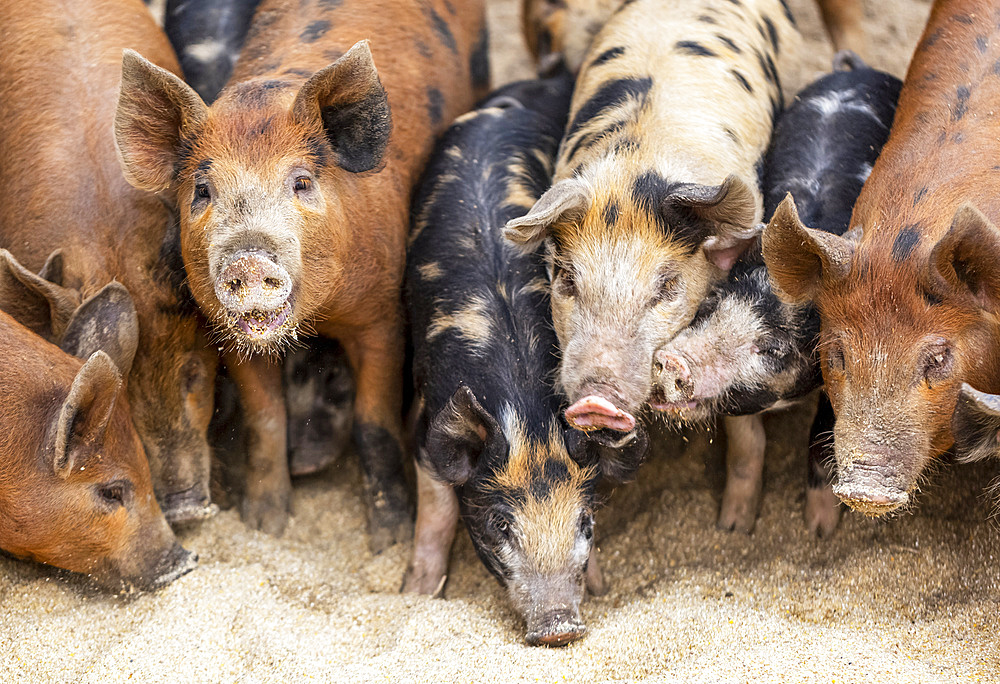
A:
x: 442, y: 29
x: 707, y: 19
x: 612, y: 94
x: 905, y: 243
x: 608, y: 55
x: 772, y: 33
x: 982, y: 43
x: 479, y: 61
x: 435, y: 106
x: 731, y: 134
x: 961, y: 103
x: 742, y: 80
x: 327, y: 5
x: 728, y: 42
x: 788, y: 12
x: 314, y: 31
x: 611, y: 214
x: 692, y: 48
x: 962, y: 19
x: 919, y: 195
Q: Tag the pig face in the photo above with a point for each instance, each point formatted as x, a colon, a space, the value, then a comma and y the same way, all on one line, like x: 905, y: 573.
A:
x: 627, y: 273
x: 262, y: 179
x: 557, y: 28
x: 744, y: 352
x: 902, y: 326
x: 528, y: 507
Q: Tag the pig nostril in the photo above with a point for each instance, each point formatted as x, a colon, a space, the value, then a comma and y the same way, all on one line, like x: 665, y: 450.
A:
x: 679, y: 384
x: 234, y: 285
x: 272, y: 283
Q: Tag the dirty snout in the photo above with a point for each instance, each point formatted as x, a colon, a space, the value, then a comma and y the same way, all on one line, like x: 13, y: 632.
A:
x: 872, y: 479
x: 551, y: 609
x: 256, y: 293
x: 673, y: 381
x: 605, y: 394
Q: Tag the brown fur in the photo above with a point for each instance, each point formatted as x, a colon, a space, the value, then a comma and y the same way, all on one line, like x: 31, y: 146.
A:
x: 351, y: 241
x: 894, y: 298
x: 61, y: 186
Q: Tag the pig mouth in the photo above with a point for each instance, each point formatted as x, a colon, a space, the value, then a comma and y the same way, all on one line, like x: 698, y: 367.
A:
x: 595, y: 412
x: 690, y: 411
x: 864, y: 489
x: 557, y: 630
x: 259, y: 325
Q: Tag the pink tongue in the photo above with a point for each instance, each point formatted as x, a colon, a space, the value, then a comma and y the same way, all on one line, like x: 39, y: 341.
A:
x: 594, y: 412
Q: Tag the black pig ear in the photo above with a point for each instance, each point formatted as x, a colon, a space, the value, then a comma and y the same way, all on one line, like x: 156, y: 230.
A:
x: 617, y: 458
x: 85, y: 414
x: 349, y: 99
x: 799, y: 259
x: 107, y: 321
x: 964, y: 261
x: 976, y: 424
x: 457, y: 436
x: 36, y: 303
x: 730, y: 209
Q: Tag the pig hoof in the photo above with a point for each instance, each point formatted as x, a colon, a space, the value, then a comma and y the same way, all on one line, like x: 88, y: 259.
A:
x: 269, y: 515
x: 737, y: 514
x: 822, y: 512
x: 423, y: 582
x: 383, y: 534
x: 307, y: 461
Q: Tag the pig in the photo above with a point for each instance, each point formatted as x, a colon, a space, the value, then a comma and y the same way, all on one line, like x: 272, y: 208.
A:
x: 907, y: 299
x: 976, y: 424
x: 491, y: 446
x: 75, y: 487
x: 104, y: 228
x: 294, y: 189
x: 208, y: 35
x: 747, y: 351
x: 564, y: 29
x: 655, y: 191
x: 319, y: 397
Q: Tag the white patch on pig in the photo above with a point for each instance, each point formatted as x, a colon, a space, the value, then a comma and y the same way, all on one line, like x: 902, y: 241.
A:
x: 838, y: 101
x: 207, y: 51
x: 430, y: 271
x: 866, y: 170
x: 473, y: 323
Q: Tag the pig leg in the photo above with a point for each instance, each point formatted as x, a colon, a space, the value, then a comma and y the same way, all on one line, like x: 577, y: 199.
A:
x: 267, y: 500
x: 376, y: 356
x: 822, y: 509
x: 744, y: 470
x: 437, y: 518
x: 594, y: 577
x: 843, y: 20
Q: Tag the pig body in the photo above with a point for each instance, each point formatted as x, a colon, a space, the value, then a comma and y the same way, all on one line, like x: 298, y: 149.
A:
x: 208, y: 35
x: 907, y: 299
x: 491, y: 446
x: 555, y: 29
x: 75, y: 487
x: 656, y: 188
x: 294, y: 191
x: 104, y: 228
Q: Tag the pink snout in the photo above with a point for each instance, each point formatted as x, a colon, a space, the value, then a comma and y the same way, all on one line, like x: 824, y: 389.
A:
x: 255, y: 290
x: 594, y: 412
x: 675, y: 376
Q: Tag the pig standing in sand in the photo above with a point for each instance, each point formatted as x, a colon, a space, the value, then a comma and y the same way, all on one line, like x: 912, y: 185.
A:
x: 491, y: 445
x: 655, y: 192
x: 747, y: 351
x: 908, y: 300
x: 294, y: 190
x: 61, y: 188
x: 75, y: 489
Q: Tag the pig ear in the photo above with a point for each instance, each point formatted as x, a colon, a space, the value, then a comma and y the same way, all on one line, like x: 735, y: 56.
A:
x: 731, y: 207
x: 34, y: 302
x: 570, y: 195
x: 52, y: 269
x: 107, y: 322
x: 965, y: 259
x: 976, y: 424
x: 349, y: 99
x: 157, y: 113
x: 799, y: 259
x: 617, y: 458
x: 84, y: 416
x: 457, y: 435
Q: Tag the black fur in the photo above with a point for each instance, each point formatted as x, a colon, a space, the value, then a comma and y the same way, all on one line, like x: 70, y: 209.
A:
x: 359, y: 131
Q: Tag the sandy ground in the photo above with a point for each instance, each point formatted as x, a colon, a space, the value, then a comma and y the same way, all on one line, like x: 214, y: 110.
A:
x: 914, y: 599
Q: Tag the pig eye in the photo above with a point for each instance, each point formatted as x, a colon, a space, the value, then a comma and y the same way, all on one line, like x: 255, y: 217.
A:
x: 113, y: 495
x: 835, y: 358
x: 201, y: 191
x: 587, y: 526
x: 565, y: 284
x: 770, y: 347
x: 303, y: 184
x: 499, y: 526
x: 938, y: 363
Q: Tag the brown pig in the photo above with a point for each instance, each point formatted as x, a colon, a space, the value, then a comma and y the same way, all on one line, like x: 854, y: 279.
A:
x: 75, y: 488
x: 61, y: 187
x: 294, y: 189
x: 908, y: 310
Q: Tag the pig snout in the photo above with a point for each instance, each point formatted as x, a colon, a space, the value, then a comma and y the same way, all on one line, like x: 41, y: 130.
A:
x: 594, y: 412
x: 256, y: 290
x: 177, y: 561
x: 555, y: 628
x: 674, y: 377
x: 188, y: 506
x: 870, y: 486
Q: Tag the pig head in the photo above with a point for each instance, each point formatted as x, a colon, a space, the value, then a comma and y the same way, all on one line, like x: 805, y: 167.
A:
x: 906, y: 318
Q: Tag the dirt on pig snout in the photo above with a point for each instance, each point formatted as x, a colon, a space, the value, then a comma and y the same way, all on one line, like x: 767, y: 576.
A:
x: 910, y: 599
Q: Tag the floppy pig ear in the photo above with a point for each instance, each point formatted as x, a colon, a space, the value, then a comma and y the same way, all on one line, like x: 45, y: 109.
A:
x: 36, y: 303
x: 84, y: 416
x: 617, y: 458
x: 565, y: 196
x: 732, y: 209
x: 964, y: 260
x: 156, y: 111
x: 976, y: 424
x: 457, y: 435
x: 349, y: 99
x: 799, y: 259
x: 107, y: 322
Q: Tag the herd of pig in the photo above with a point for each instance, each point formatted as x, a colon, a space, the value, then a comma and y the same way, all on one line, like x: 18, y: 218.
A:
x: 573, y: 259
